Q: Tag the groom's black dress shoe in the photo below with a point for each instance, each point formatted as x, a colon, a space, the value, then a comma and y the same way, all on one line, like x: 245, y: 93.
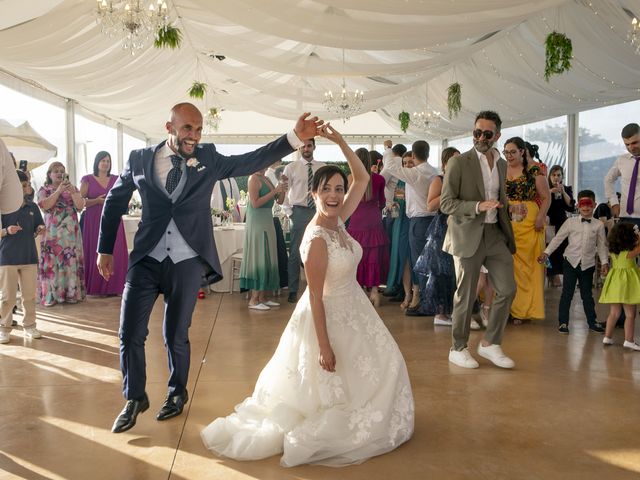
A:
x: 129, y: 413
x: 173, y: 406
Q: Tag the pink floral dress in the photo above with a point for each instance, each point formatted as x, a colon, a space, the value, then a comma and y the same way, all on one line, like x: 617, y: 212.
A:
x: 61, y: 265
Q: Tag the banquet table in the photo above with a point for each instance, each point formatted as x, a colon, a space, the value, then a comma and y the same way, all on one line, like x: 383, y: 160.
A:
x: 229, y: 240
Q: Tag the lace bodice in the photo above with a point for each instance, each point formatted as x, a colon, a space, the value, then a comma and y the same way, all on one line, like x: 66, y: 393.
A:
x: 344, y: 255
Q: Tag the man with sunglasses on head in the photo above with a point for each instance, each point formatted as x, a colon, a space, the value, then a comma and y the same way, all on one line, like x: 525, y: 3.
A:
x: 479, y: 233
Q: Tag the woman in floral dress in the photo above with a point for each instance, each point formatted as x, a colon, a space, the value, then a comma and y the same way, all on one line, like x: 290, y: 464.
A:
x: 61, y: 266
x: 524, y: 184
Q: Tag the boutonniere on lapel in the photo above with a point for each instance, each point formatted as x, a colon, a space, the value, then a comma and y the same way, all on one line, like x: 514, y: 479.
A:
x: 193, y: 162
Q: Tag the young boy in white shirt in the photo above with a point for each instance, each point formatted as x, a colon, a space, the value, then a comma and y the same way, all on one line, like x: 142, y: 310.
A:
x: 586, y: 236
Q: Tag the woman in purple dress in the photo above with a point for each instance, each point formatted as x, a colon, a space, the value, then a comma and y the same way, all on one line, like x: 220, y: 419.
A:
x: 366, y: 227
x: 94, y: 189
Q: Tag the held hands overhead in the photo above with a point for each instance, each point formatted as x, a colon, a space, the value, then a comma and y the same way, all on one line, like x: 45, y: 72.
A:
x: 306, y: 127
x: 327, y: 131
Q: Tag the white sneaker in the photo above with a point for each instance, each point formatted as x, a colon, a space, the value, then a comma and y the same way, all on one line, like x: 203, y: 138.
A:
x: 442, y: 320
x: 259, y: 306
x: 32, y: 332
x: 494, y: 354
x: 631, y: 345
x: 462, y: 358
x: 607, y: 341
x: 474, y: 325
x: 5, y: 337
x: 271, y: 303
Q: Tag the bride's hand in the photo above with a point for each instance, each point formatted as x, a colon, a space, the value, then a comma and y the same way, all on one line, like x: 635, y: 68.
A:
x: 327, y: 359
x: 327, y: 131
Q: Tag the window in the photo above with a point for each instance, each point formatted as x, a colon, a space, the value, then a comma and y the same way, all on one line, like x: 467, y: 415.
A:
x: 600, y: 143
x: 129, y: 143
x: 47, y: 119
x: 91, y: 138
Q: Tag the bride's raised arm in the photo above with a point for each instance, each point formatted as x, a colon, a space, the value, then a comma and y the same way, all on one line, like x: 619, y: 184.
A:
x: 358, y: 171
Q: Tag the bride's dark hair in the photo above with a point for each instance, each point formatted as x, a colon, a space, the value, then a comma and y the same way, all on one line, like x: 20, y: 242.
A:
x: 323, y: 174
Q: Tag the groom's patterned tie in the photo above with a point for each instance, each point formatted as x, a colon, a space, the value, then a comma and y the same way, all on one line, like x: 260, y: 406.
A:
x: 173, y: 177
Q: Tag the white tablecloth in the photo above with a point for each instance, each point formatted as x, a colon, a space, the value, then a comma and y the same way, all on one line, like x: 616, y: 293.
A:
x: 229, y: 240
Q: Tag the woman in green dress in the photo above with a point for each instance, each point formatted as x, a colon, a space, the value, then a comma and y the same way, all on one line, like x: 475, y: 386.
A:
x: 259, y: 268
x: 399, y: 269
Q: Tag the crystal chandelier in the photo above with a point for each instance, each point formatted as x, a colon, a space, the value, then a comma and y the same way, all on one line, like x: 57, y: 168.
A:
x: 634, y: 35
x: 212, y: 120
x: 345, y: 104
x: 427, y: 119
x: 136, y: 21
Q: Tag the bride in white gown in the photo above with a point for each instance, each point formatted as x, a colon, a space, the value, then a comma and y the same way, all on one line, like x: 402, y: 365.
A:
x: 336, y: 391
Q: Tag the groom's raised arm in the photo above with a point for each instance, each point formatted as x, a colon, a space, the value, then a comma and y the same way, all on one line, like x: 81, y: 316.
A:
x: 238, y: 165
x: 247, y: 163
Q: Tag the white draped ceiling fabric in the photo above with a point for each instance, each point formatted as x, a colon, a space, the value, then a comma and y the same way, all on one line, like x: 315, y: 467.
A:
x: 280, y: 56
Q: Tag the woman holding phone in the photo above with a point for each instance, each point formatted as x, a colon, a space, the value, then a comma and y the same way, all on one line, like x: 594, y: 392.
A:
x: 61, y: 265
x: 562, y: 203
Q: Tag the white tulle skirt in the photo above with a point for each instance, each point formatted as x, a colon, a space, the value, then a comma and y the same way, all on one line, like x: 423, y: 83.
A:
x: 309, y: 415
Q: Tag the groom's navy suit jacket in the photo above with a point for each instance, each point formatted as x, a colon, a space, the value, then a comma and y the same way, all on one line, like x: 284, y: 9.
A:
x: 190, y: 211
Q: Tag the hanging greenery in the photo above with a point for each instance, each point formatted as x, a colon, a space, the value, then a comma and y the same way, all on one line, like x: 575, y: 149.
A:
x: 454, y: 99
x: 558, y: 54
x: 168, y: 37
x: 197, y: 90
x: 404, y: 118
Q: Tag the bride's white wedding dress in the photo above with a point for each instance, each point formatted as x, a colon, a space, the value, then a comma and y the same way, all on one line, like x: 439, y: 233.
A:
x: 363, y: 409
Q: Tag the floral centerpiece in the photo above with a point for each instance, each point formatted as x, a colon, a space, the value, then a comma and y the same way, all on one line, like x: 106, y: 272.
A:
x: 242, y: 204
x: 243, y: 198
x: 228, y: 214
x: 216, y: 215
x: 280, y: 214
x: 135, y: 207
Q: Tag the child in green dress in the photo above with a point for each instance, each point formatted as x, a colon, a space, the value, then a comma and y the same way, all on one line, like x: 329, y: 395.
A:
x: 622, y: 287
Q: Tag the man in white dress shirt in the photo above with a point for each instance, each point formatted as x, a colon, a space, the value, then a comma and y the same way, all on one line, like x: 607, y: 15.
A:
x: 626, y: 167
x: 417, y: 181
x: 300, y: 208
x: 223, y: 189
x: 10, y: 188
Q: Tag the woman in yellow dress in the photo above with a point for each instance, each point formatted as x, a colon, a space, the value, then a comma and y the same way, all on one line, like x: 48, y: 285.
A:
x: 524, y: 183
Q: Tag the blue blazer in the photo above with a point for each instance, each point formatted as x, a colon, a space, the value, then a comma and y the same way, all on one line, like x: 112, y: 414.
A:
x: 191, y: 210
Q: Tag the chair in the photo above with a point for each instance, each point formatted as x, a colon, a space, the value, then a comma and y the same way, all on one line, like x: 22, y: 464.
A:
x: 234, y: 269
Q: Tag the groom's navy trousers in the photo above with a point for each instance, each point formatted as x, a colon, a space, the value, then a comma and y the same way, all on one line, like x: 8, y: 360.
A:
x: 179, y: 283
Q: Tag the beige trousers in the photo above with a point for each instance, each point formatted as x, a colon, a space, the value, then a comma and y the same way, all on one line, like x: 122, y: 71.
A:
x: 10, y: 277
x: 495, y: 256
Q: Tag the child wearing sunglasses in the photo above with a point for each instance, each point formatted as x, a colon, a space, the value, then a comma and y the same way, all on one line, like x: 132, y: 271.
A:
x: 585, y: 236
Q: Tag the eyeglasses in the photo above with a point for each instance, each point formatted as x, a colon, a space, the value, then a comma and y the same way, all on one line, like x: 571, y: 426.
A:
x: 487, y: 134
x: 509, y: 152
